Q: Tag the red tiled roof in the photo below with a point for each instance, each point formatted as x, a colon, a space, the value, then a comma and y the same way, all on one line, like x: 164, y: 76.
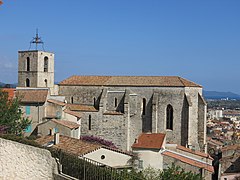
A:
x: 74, y: 113
x: 69, y: 124
x: 189, y: 161
x: 212, y: 141
x: 150, y: 141
x: 75, y: 146
x: 182, y: 148
x: 162, y: 81
x: 32, y: 95
x: 231, y: 147
x: 70, y: 145
x: 10, y: 91
x: 79, y: 107
x: 56, y: 102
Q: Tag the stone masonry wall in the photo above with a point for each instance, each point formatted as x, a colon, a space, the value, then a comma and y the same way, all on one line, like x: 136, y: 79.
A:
x: 124, y: 129
x: 19, y: 161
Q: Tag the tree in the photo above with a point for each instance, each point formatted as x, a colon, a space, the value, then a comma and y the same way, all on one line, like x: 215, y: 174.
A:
x: 11, y: 118
x: 173, y: 173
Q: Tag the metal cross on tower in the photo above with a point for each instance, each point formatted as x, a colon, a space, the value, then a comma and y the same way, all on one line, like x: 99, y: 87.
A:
x: 37, y: 40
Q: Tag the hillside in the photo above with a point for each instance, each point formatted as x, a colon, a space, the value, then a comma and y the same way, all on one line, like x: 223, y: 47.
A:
x: 220, y: 95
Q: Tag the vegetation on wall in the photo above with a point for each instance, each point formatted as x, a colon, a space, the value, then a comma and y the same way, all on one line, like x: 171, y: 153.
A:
x: 11, y: 120
x: 98, y: 140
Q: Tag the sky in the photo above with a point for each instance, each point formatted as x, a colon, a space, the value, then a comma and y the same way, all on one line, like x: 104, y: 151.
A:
x: 197, y: 40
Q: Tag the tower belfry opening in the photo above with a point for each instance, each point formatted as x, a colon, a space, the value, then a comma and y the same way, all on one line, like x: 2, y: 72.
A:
x: 37, y: 41
x: 36, y: 67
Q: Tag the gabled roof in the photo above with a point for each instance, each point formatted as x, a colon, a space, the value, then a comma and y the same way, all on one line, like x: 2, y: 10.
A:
x: 162, y: 81
x: 182, y: 148
x: 68, y: 124
x: 189, y: 160
x: 150, y: 141
x: 32, y: 95
x: 80, y: 107
x: 73, y: 113
x: 70, y: 145
x: 60, y: 103
x: 75, y: 146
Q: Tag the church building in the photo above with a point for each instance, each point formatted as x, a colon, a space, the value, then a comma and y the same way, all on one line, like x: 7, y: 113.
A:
x: 120, y: 108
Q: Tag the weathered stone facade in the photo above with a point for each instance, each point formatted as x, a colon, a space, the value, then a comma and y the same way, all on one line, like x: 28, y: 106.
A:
x: 37, y: 67
x: 120, y: 116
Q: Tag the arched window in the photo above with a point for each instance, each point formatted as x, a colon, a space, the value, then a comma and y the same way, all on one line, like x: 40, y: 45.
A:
x: 169, y: 119
x: 94, y: 102
x: 28, y: 64
x: 27, y: 82
x: 45, y: 81
x: 45, y: 64
x: 72, y: 100
x: 144, y: 106
x: 89, y: 122
x: 115, y: 102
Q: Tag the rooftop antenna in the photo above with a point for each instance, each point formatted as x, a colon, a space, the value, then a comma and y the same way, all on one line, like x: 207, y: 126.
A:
x: 36, y: 40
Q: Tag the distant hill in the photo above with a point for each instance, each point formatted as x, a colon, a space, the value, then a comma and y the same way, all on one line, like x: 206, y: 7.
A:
x: 8, y: 85
x: 220, y: 95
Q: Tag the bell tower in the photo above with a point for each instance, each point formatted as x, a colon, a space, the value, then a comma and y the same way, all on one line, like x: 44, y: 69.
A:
x: 35, y: 67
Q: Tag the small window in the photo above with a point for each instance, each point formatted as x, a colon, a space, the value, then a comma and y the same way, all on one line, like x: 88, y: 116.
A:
x: 232, y: 167
x: 140, y: 164
x: 72, y: 100
x: 56, y: 130
x: 45, y: 64
x: 94, y: 101
x: 115, y: 102
x: 28, y: 110
x: 45, y: 81
x: 27, y: 82
x: 28, y: 129
x: 102, y: 156
x: 144, y: 106
x: 89, y: 122
x: 169, y: 117
x: 28, y: 64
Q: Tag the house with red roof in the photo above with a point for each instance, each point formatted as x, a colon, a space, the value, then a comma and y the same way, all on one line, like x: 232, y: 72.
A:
x: 95, y: 152
x: 153, y: 151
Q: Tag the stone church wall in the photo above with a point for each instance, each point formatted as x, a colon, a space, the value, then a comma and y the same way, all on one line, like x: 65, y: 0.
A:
x: 19, y: 161
x: 124, y: 129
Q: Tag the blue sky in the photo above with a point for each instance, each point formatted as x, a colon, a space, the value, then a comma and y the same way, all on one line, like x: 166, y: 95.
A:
x: 197, y: 40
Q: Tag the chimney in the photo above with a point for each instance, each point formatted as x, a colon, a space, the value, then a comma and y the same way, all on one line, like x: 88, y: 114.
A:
x: 56, y: 138
x: 51, y: 131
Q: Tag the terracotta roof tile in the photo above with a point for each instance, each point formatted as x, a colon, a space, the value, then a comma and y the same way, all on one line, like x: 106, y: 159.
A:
x: 74, y: 113
x: 79, y: 107
x: 10, y: 91
x: 56, y: 102
x: 189, y: 161
x: 231, y: 147
x: 32, y: 95
x: 150, y: 141
x: 194, y: 152
x: 69, y: 124
x: 70, y: 145
x: 163, y: 81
